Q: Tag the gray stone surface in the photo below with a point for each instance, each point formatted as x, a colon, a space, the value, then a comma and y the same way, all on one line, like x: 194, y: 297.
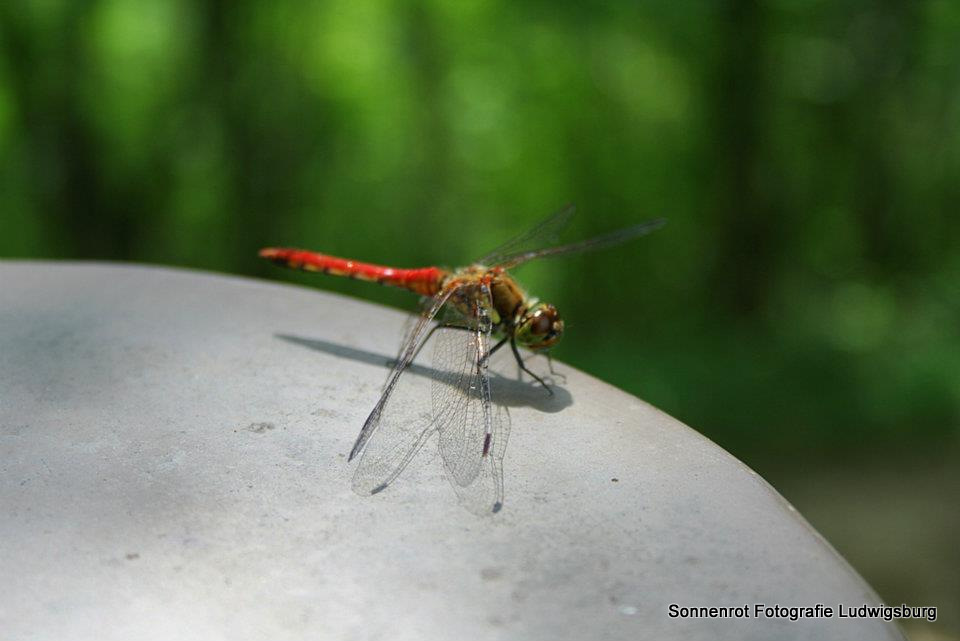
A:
x: 172, y: 468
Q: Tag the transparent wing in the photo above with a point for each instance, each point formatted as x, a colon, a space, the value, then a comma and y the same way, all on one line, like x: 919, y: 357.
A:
x: 410, y: 327
x: 401, y: 426
x: 597, y: 242
x: 545, y: 233
x: 473, y: 433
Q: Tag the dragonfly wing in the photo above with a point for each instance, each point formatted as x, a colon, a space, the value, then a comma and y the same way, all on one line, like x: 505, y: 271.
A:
x: 545, y: 233
x: 410, y: 326
x: 543, y: 240
x: 473, y: 433
x: 401, y: 426
x: 597, y: 242
x: 485, y: 494
x: 386, y: 456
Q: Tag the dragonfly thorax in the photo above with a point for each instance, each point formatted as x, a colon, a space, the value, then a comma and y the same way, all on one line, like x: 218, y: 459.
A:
x: 530, y: 323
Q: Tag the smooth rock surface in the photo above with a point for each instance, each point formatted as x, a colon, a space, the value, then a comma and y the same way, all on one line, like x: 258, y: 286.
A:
x: 173, y: 466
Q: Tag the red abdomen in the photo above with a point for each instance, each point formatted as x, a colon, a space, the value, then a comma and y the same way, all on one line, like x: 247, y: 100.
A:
x: 425, y: 281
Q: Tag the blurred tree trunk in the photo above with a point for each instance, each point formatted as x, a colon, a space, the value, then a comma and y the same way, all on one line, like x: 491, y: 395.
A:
x: 744, y: 219
x: 86, y: 215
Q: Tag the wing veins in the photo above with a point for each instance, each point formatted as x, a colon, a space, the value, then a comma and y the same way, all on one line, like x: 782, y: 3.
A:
x: 410, y: 349
x: 597, y: 242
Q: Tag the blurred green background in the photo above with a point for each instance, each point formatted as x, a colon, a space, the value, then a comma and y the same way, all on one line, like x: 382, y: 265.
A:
x: 802, y: 307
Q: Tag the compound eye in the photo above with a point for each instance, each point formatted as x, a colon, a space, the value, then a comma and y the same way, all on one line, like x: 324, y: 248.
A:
x: 541, y: 324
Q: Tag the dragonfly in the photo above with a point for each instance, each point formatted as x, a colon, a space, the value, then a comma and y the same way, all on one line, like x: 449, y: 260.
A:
x: 469, y: 313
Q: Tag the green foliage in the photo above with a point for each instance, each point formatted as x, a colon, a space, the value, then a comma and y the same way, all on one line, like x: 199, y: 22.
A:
x: 803, y: 296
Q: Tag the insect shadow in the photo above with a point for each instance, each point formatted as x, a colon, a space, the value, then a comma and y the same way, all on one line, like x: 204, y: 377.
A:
x: 504, y: 391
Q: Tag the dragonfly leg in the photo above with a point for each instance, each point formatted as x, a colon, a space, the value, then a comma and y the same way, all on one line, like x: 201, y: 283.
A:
x: 562, y: 377
x: 516, y: 354
x: 495, y: 348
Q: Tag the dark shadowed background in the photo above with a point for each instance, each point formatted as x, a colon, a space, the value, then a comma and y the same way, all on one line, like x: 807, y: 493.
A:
x: 802, y: 307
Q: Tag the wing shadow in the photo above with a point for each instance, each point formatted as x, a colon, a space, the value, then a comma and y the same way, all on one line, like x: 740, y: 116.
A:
x: 504, y: 391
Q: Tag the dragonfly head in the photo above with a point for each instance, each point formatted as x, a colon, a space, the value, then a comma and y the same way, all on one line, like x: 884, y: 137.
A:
x: 539, y: 327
